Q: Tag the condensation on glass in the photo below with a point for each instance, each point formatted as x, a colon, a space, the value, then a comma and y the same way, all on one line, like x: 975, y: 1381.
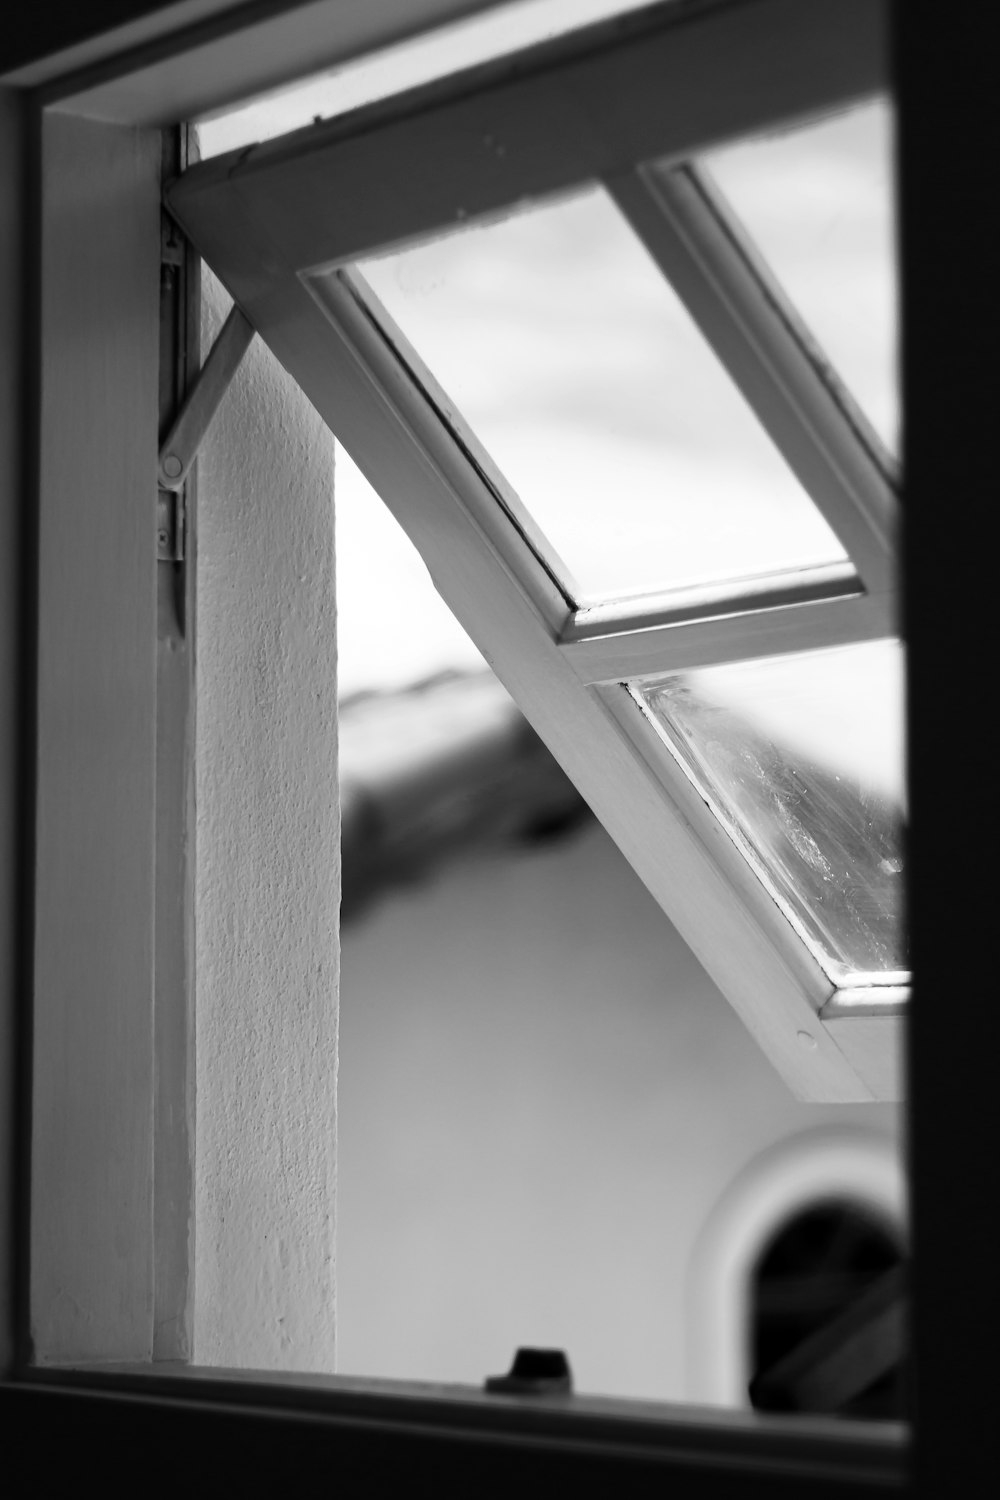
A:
x: 818, y: 201
x: 558, y: 344
x: 801, y: 759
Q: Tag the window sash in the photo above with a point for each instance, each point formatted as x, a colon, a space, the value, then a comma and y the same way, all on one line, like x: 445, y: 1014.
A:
x: 281, y: 224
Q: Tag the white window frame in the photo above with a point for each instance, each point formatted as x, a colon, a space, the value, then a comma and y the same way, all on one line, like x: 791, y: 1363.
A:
x: 95, y: 602
x: 281, y: 223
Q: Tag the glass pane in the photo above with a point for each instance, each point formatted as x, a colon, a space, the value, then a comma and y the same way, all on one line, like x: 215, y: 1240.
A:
x: 503, y: 29
x: 577, y: 367
x: 801, y: 758
x: 818, y: 202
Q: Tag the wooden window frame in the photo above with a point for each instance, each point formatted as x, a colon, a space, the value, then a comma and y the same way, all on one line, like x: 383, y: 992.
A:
x: 281, y: 225
x: 376, y: 1425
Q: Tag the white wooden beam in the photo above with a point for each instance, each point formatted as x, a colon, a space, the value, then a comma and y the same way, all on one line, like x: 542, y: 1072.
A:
x: 92, y: 1106
x: 665, y: 83
x: 875, y: 1047
x: 729, y: 635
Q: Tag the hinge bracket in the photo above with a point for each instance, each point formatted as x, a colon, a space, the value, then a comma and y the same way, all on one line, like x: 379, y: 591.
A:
x: 169, y: 526
x: 202, y: 401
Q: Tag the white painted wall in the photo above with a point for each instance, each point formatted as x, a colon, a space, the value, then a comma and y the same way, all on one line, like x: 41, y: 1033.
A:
x: 543, y: 1098
x: 268, y: 876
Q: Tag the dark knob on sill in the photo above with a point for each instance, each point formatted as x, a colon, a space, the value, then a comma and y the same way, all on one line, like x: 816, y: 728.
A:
x: 535, y: 1372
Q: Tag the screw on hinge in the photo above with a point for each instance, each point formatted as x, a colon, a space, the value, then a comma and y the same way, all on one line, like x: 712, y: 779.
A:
x: 535, y: 1372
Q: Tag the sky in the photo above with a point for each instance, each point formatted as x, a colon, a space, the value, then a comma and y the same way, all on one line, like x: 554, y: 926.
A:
x: 577, y: 367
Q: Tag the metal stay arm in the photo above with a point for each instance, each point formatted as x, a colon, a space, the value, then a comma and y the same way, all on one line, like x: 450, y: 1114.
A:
x: 202, y: 401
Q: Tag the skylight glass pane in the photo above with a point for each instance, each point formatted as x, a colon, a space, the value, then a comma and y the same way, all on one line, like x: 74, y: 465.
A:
x: 801, y: 758
x: 561, y: 345
x: 818, y: 202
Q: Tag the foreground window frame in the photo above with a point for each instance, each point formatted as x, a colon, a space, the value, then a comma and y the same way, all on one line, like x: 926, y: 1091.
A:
x: 281, y: 225
x: 347, y: 1417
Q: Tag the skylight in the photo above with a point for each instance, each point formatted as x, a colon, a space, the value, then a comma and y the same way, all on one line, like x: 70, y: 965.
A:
x: 551, y: 339
x: 631, y: 423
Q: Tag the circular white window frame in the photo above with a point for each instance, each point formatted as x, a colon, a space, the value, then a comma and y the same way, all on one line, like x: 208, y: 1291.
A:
x: 864, y: 1167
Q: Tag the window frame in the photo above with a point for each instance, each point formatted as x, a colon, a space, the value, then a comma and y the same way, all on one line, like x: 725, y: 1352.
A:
x: 763, y: 1455
x: 679, y: 81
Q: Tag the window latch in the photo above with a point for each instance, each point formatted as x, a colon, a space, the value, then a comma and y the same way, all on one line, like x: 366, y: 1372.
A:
x: 180, y: 447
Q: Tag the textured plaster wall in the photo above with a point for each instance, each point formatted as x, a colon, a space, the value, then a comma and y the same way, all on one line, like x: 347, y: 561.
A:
x: 543, y: 1098
x: 268, y: 876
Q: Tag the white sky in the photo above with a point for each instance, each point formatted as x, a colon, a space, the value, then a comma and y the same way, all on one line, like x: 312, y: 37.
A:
x: 614, y: 424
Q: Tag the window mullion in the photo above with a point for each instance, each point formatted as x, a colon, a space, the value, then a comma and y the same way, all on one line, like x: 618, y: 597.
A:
x: 729, y: 635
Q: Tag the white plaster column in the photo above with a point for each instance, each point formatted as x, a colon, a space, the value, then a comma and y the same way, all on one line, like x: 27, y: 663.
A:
x: 268, y: 881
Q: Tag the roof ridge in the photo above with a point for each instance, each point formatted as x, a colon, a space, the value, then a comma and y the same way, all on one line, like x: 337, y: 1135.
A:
x: 441, y: 678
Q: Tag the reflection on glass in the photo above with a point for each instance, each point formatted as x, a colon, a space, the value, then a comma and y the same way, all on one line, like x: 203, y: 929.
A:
x: 818, y: 203
x: 576, y: 366
x: 801, y: 758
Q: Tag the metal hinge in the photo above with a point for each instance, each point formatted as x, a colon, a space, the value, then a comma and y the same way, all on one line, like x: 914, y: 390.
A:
x: 169, y: 525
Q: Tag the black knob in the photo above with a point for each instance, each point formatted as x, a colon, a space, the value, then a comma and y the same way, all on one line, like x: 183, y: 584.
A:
x: 535, y: 1372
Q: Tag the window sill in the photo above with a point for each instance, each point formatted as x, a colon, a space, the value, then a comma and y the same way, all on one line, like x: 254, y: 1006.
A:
x: 658, y: 1435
